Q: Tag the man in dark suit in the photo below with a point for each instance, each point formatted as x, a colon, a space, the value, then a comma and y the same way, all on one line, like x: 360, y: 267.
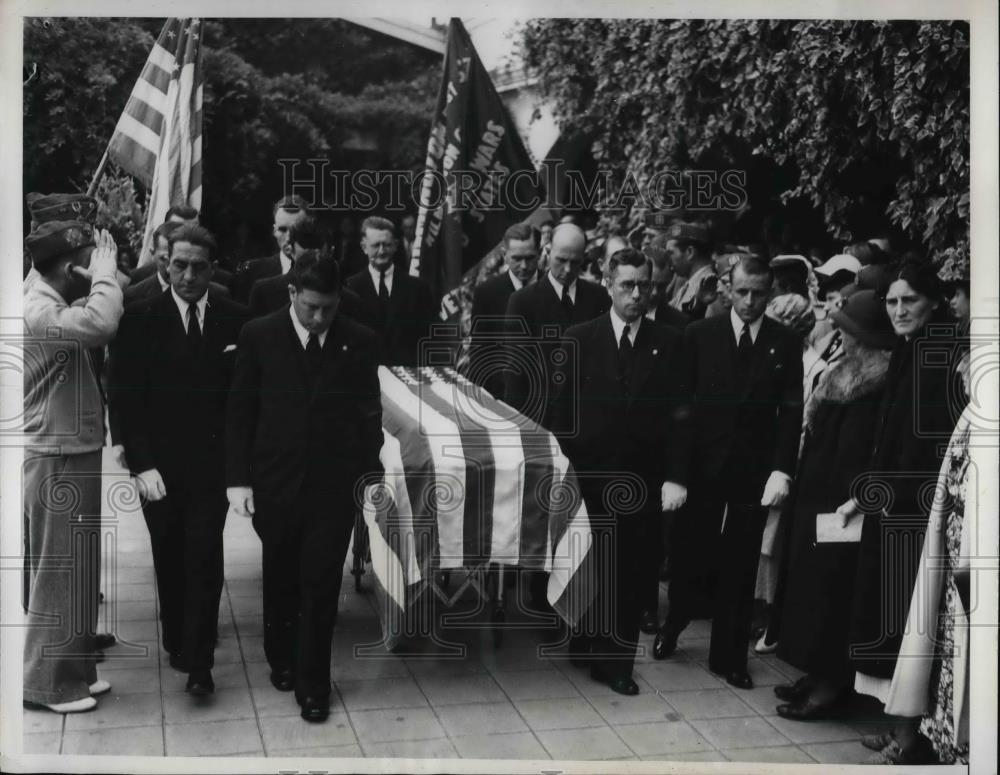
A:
x: 179, y: 214
x: 157, y: 282
x: 272, y: 293
x: 539, y: 314
x: 663, y: 279
x: 350, y: 256
x: 745, y: 375
x: 287, y: 212
x: 171, y: 366
x: 397, y: 307
x: 521, y: 246
x: 303, y: 430
x: 624, y: 383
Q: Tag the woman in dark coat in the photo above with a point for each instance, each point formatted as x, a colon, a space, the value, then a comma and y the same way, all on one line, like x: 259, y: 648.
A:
x: 839, y: 422
x: 914, y: 422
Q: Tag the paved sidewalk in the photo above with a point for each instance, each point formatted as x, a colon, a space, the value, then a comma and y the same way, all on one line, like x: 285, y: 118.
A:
x: 505, y: 702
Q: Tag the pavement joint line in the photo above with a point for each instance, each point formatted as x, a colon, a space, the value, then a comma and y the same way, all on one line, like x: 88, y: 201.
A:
x: 246, y: 672
x: 159, y: 669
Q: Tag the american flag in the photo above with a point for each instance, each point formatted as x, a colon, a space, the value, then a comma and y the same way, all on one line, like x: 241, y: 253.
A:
x: 470, y: 483
x: 158, y: 137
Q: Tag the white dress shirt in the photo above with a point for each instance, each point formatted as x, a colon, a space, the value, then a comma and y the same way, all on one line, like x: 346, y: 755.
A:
x: 376, y: 275
x: 559, y: 288
x: 182, y: 307
x: 619, y: 325
x: 286, y: 262
x: 302, y: 333
x: 738, y: 324
x: 164, y: 284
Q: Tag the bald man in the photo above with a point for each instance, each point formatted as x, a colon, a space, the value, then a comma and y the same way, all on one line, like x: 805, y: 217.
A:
x: 537, y: 316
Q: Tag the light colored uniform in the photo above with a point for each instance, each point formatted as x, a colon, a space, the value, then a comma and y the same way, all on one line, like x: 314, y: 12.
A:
x: 64, y: 433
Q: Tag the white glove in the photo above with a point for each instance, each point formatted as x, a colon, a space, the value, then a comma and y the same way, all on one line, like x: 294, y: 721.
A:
x: 104, y: 258
x: 847, y: 510
x: 672, y: 496
x: 118, y: 455
x: 241, y: 500
x: 151, y: 486
x: 776, y: 489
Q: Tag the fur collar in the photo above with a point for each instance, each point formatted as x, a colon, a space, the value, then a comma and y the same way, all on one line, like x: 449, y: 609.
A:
x: 849, y: 378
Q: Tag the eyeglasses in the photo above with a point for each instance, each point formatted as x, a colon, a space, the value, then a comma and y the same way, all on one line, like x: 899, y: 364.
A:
x: 629, y: 286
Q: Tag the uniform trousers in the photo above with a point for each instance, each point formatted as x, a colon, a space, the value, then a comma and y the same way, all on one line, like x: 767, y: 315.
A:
x: 185, y: 532
x: 304, y: 548
x: 62, y: 503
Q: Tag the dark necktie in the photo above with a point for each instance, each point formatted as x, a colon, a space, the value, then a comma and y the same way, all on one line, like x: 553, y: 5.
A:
x: 383, y: 289
x: 314, y: 355
x: 567, y: 302
x: 193, y: 330
x: 625, y: 355
x: 744, y: 352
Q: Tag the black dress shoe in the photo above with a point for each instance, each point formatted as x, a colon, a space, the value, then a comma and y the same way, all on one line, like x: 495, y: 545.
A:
x: 283, y: 680
x: 648, y: 622
x: 200, y: 683
x: 104, y: 640
x: 808, y: 711
x: 315, y: 709
x: 625, y: 686
x: 740, y: 679
x: 620, y: 684
x: 794, y: 692
x: 665, y: 643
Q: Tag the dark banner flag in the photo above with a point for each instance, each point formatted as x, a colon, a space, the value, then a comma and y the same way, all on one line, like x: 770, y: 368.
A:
x: 478, y: 178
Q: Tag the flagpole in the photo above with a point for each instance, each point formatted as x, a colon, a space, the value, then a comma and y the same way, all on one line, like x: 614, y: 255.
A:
x: 92, y: 189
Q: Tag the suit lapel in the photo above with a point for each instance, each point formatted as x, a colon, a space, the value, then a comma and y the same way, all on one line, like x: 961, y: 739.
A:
x: 760, y: 349
x: 295, y: 347
x: 334, y: 344
x: 642, y: 354
x: 395, y: 299
x: 607, y: 346
x: 727, y: 350
x: 552, y: 304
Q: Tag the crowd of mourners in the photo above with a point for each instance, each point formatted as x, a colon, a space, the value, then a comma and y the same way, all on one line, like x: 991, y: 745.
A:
x: 778, y: 409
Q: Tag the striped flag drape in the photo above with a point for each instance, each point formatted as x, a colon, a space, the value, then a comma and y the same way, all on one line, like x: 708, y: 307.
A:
x: 468, y: 484
x: 158, y: 137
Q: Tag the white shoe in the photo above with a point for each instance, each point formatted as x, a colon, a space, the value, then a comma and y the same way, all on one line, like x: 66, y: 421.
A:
x: 763, y: 647
x: 100, y: 686
x: 76, y: 706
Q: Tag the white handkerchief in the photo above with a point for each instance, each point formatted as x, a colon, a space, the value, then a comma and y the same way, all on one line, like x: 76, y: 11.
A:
x: 229, y: 348
x: 829, y: 530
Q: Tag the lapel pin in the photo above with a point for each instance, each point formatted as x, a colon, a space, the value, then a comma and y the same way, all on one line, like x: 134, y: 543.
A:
x: 344, y: 348
x: 655, y: 352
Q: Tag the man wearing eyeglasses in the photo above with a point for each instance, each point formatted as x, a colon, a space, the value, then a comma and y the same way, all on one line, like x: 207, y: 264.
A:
x: 170, y: 373
x: 624, y: 383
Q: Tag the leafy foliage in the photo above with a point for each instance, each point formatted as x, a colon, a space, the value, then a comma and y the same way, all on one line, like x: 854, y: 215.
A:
x: 864, y: 123
x: 274, y: 89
